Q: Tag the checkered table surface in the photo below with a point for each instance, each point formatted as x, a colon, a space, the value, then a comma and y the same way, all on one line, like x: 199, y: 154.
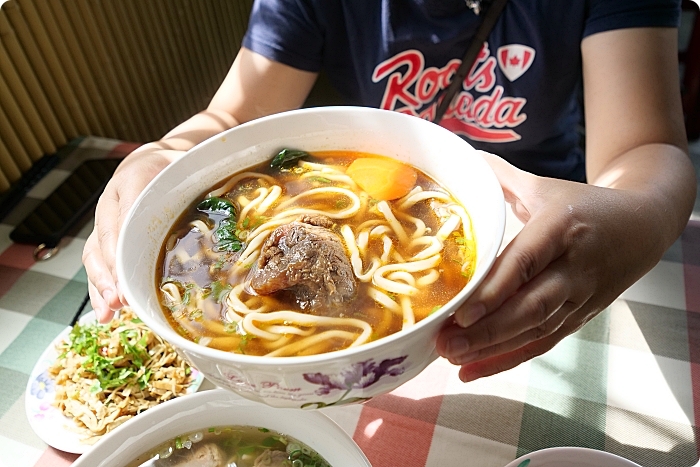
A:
x: 627, y: 383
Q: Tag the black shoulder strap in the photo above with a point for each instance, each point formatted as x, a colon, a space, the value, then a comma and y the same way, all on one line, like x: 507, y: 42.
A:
x: 482, y: 33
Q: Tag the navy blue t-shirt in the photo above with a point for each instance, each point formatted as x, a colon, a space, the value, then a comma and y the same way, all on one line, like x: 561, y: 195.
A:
x: 520, y: 99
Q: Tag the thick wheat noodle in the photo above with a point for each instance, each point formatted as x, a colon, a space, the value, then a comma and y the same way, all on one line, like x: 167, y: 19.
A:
x: 201, y: 226
x: 416, y: 189
x: 282, y: 330
x: 338, y: 177
x: 466, y: 228
x: 433, y: 247
x: 466, y: 221
x: 373, y: 232
x: 343, y: 214
x: 232, y: 316
x: 355, y: 259
x: 431, y: 276
x: 362, y: 241
x: 262, y: 193
x: 257, y: 332
x: 388, y: 244
x: 395, y: 225
x: 317, y: 167
x: 371, y: 223
x: 197, y: 300
x: 171, y: 242
x: 274, y: 194
x: 448, y: 227
x: 172, y: 293
x: 243, y: 201
x: 205, y: 341
x: 367, y: 276
x: 225, y: 343
x: 409, y: 266
x: 407, y: 277
x: 350, y: 243
x: 296, y: 347
x: 211, y: 254
x: 235, y: 304
x: 383, y: 299
x: 423, y: 195
x: 409, y: 319
x: 237, y: 178
x: 379, y: 230
x: 397, y: 256
x: 268, y: 225
x: 420, y: 229
x: 281, y: 342
x: 253, y: 245
x: 250, y: 260
x: 183, y: 257
x: 186, y: 324
x: 302, y: 319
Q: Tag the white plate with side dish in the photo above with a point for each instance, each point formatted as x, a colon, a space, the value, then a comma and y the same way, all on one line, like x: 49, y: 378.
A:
x: 48, y: 422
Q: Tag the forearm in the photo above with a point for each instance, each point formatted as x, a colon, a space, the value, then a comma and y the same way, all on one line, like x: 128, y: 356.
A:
x: 254, y: 87
x: 194, y: 130
x: 660, y: 181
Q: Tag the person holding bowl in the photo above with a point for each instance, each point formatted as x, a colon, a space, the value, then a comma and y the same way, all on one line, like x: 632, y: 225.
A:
x: 595, y: 220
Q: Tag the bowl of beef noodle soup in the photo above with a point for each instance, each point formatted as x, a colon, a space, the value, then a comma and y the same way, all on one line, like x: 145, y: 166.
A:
x: 309, y: 258
x: 217, y: 428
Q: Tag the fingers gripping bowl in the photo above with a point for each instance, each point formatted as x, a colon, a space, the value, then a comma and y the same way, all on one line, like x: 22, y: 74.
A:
x: 352, y: 374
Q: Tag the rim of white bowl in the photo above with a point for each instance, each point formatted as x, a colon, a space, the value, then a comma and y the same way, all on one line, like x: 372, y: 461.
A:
x: 578, y: 456
x: 167, y: 333
x: 152, y: 417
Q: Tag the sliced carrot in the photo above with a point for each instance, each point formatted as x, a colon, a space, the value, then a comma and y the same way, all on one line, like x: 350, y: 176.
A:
x: 382, y: 178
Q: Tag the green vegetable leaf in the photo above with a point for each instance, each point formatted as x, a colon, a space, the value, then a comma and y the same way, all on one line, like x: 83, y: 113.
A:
x: 321, y: 179
x: 225, y: 236
x: 219, y: 290
x: 245, y: 339
x: 270, y: 441
x: 110, y: 372
x: 285, y: 156
x: 218, y: 206
x: 243, y: 450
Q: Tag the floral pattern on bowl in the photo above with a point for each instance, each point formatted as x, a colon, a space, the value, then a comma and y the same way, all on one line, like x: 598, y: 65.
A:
x: 356, y: 376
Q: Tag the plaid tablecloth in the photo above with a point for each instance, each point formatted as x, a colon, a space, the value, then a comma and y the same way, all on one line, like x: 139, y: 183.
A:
x: 627, y: 383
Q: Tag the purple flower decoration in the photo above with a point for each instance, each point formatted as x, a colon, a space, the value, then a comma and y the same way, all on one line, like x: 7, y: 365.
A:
x: 42, y: 385
x: 357, y: 376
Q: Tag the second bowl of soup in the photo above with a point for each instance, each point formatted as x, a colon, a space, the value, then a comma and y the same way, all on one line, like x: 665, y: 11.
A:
x: 309, y: 258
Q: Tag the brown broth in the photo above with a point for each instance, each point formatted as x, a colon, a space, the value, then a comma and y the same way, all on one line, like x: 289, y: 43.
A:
x: 208, y: 324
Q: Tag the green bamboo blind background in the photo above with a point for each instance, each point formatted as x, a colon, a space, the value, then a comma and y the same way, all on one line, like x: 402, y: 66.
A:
x: 122, y: 69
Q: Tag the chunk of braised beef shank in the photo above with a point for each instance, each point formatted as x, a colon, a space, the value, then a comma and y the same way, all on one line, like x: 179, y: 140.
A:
x: 206, y: 455
x: 308, y: 259
x: 272, y: 459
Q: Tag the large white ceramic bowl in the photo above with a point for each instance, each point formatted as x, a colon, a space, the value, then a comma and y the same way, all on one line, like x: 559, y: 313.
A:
x: 351, y: 375
x: 571, y: 456
x: 219, y: 408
